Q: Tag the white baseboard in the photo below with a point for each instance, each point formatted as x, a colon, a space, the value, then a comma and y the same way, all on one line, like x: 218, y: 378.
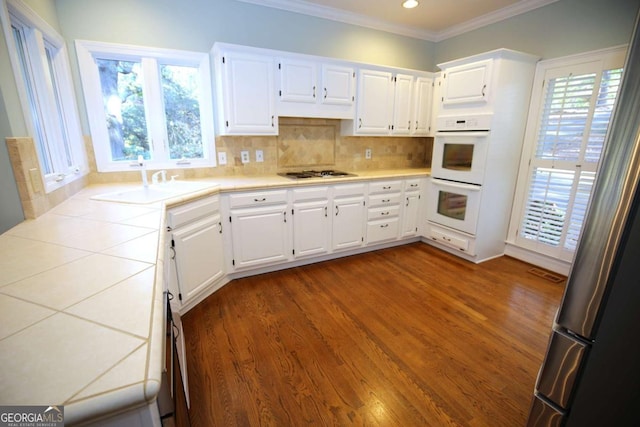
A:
x: 553, y: 264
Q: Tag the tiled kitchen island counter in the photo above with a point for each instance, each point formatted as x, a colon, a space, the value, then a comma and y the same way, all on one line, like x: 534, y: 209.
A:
x: 82, y: 305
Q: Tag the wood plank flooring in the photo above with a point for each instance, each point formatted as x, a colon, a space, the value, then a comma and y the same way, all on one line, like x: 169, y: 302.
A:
x: 407, y: 336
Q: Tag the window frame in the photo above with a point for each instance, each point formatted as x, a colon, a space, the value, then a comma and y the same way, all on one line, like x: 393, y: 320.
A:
x: 595, y: 61
x: 60, y: 133
x: 150, y: 58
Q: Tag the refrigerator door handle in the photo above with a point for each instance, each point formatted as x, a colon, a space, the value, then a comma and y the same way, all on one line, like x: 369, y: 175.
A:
x: 560, y: 368
x: 543, y: 414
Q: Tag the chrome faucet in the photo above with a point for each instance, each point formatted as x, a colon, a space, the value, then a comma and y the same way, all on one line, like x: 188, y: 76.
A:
x: 143, y: 171
x: 162, y: 173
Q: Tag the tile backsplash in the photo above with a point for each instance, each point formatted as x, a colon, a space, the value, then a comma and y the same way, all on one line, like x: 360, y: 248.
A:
x: 288, y: 151
x: 348, y: 152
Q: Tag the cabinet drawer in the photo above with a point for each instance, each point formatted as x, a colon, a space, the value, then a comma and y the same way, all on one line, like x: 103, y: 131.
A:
x: 387, y: 229
x: 257, y: 198
x: 385, y: 186
x: 383, y: 212
x: 181, y: 215
x: 344, y: 190
x: 384, y: 199
x: 412, y: 184
x: 453, y: 239
x: 310, y: 193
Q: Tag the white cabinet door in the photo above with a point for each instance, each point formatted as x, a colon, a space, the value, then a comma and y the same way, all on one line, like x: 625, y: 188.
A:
x: 402, y: 104
x: 311, y: 228
x: 375, y: 91
x: 348, y: 221
x: 260, y: 236
x: 248, y: 94
x: 423, y: 100
x: 298, y: 81
x: 337, y: 85
x: 410, y: 214
x: 197, y: 256
x: 467, y: 83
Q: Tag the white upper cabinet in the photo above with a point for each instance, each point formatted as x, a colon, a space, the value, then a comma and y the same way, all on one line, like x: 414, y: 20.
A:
x: 338, y: 85
x: 392, y: 103
x: 489, y: 82
x: 298, y: 81
x: 422, y: 107
x: 245, y: 93
x: 468, y: 83
x: 309, y: 88
x: 375, y: 102
x: 402, y: 104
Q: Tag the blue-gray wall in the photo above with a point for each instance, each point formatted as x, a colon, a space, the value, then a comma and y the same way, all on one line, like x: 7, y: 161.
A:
x: 561, y: 28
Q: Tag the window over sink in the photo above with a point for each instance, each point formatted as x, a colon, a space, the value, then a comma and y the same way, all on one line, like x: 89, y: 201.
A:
x: 147, y: 103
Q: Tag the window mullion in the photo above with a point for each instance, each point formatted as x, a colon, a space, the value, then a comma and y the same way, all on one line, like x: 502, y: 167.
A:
x: 154, y: 110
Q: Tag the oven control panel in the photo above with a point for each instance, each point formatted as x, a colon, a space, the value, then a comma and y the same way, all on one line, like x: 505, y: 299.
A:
x: 464, y: 123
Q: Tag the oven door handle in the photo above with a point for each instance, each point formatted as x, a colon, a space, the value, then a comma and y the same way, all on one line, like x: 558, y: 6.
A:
x: 459, y: 185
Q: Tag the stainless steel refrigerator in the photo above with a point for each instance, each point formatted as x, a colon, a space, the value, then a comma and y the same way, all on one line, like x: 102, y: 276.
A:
x: 591, y: 373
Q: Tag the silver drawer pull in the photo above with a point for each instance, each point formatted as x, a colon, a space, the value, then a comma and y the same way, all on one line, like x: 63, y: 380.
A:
x: 260, y: 200
x: 384, y: 213
x: 386, y: 200
x: 388, y: 187
x: 384, y: 225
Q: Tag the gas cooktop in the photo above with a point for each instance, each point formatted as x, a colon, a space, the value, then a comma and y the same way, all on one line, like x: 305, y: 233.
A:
x: 305, y: 174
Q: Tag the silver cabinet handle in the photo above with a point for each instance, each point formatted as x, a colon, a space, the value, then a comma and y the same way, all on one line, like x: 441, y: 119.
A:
x: 359, y: 123
x: 314, y: 92
x: 337, y: 210
x: 285, y: 216
x: 407, y: 204
x: 260, y: 200
x: 384, y: 213
x: 384, y: 225
x: 220, y: 226
x: 325, y: 93
x: 483, y: 91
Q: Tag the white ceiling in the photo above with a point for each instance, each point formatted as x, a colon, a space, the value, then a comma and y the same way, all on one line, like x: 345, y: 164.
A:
x: 432, y: 20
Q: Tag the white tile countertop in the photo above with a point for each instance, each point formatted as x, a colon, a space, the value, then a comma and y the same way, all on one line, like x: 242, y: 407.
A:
x: 81, y: 299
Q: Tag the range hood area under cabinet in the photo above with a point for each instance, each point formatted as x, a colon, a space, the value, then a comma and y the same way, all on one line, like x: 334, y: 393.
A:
x: 255, y: 86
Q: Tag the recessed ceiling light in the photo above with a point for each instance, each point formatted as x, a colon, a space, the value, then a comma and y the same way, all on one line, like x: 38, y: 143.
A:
x: 410, y: 4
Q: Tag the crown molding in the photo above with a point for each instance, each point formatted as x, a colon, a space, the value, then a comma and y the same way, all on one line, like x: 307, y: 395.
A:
x: 333, y: 14
x: 491, y: 18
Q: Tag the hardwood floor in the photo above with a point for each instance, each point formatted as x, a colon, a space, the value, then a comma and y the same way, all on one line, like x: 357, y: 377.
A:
x: 407, y: 336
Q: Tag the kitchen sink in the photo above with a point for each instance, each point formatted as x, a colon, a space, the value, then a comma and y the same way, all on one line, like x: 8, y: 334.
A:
x: 153, y: 193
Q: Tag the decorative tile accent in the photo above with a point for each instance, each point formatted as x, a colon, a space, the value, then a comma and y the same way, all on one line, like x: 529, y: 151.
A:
x: 306, y: 146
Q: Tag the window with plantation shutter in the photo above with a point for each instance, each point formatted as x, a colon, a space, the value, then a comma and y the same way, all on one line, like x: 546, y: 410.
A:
x: 563, y: 144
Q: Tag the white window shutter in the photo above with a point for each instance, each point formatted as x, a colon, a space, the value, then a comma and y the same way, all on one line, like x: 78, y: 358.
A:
x: 574, y: 114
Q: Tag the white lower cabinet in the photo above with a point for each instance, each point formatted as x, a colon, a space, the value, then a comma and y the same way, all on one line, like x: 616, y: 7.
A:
x: 311, y: 222
x: 195, y: 249
x: 282, y: 226
x: 260, y: 225
x: 383, y: 211
x: 348, y: 216
x: 411, y: 207
x: 197, y: 256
